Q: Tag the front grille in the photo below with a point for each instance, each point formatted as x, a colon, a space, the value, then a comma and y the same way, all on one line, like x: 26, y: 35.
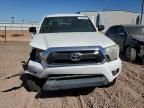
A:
x: 64, y: 57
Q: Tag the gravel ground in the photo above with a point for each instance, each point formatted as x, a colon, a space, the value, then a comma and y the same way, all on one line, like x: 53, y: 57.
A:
x: 128, y: 92
x: 15, y: 36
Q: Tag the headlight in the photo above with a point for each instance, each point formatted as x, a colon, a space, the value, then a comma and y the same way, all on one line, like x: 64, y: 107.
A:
x: 112, y: 53
x: 42, y: 56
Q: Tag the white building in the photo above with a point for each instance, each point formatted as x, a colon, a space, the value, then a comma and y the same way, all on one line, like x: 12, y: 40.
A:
x: 109, y: 18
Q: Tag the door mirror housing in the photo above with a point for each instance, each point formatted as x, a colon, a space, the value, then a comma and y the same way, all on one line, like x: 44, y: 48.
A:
x: 101, y: 27
x: 32, y: 30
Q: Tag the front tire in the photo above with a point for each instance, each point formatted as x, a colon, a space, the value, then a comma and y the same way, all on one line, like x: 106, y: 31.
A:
x: 30, y: 83
x: 130, y: 54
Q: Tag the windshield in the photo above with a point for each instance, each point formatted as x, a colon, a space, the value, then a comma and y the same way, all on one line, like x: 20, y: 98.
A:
x: 67, y: 24
x: 135, y: 30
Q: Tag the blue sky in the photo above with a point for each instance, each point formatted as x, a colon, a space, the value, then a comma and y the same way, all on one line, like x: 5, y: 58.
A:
x: 34, y: 10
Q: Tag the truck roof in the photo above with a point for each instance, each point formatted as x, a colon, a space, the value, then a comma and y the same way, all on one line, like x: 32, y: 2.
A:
x: 64, y: 15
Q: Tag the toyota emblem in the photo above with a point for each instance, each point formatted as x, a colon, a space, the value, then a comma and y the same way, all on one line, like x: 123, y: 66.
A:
x: 75, y: 57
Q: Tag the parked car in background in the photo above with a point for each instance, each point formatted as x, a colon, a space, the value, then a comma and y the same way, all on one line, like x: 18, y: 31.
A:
x: 130, y: 39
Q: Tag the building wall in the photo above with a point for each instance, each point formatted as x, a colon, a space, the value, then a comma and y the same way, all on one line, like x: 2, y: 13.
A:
x: 109, y: 18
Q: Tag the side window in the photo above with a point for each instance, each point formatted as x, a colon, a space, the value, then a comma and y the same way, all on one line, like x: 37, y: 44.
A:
x: 113, y: 30
x: 121, y: 32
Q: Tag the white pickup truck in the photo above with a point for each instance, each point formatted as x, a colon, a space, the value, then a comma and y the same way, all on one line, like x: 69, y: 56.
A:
x: 69, y: 52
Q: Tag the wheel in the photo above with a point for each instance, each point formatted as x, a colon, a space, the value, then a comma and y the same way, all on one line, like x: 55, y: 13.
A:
x: 130, y: 54
x: 30, y: 83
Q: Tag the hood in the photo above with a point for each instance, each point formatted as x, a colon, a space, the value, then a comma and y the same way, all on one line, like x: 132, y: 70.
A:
x: 138, y: 37
x: 48, y: 40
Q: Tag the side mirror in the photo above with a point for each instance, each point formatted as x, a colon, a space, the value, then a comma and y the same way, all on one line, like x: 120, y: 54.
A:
x: 101, y: 27
x: 32, y: 30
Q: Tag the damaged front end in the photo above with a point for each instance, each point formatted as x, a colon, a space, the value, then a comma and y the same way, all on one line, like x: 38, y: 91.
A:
x: 73, y: 67
x: 63, y: 57
x: 137, y: 42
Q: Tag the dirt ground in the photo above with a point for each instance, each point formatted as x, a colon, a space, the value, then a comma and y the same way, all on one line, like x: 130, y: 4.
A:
x: 128, y: 92
x: 18, y: 35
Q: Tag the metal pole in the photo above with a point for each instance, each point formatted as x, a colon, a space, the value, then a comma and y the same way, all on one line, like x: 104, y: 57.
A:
x: 5, y: 34
x: 12, y: 21
x: 142, y: 12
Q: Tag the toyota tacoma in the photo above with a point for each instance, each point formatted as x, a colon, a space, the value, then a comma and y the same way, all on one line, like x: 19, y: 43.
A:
x: 69, y: 52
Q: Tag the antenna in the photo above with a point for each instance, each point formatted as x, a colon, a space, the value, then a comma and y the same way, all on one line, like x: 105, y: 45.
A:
x: 142, y: 12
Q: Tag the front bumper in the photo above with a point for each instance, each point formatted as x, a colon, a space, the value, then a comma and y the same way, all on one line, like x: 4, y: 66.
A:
x: 110, y: 70
x: 74, y: 83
